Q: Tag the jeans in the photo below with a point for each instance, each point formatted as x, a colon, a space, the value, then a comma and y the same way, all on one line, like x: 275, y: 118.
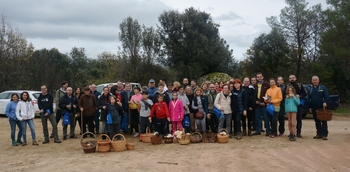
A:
x: 161, y: 126
x: 213, y: 123
x: 258, y: 112
x: 321, y: 126
x: 299, y: 118
x: 273, y: 120
x: 113, y: 129
x: 135, y: 117
x: 52, y: 120
x: 201, y: 125
x: 104, y: 127
x: 227, y: 119
x: 72, y: 126
x: 237, y: 116
x: 13, y: 124
x: 144, y: 123
x: 97, y: 121
x: 30, y: 123
x: 126, y: 117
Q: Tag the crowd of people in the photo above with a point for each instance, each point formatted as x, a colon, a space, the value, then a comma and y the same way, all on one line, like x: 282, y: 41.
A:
x: 236, y: 106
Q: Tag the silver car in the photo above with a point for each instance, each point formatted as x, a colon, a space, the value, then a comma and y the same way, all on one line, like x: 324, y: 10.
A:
x: 5, y: 98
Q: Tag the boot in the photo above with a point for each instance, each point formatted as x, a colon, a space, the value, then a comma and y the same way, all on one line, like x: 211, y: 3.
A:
x: 239, y: 136
x: 250, y: 132
x: 19, y: 141
x: 24, y: 143
x: 244, y: 132
x: 14, y: 143
x: 35, y: 143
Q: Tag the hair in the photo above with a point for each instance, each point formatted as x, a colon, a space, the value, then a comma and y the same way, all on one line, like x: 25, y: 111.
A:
x: 203, y: 84
x: 189, y: 89
x: 13, y: 94
x: 181, y: 87
x: 112, y: 96
x: 177, y: 83
x: 160, y: 85
x: 137, y: 88
x: 259, y: 73
x: 175, y: 93
x: 170, y: 84
x: 291, y: 87
x: 163, y: 80
x: 127, y: 83
x: 28, y: 98
x: 160, y: 95
x: 63, y: 83
x: 113, y: 89
x: 198, y: 89
x: 237, y: 81
x: 145, y: 92
x: 226, y: 85
x: 272, y: 79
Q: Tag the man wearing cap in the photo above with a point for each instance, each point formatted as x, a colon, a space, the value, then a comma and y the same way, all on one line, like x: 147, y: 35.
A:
x: 151, y: 89
x: 88, y: 106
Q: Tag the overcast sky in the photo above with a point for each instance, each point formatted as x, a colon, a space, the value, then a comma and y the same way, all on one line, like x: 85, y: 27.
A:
x: 94, y: 24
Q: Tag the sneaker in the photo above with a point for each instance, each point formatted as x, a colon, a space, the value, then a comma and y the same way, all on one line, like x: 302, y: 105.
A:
x: 262, y: 130
x: 230, y: 136
x: 325, y: 138
x: 267, y: 134
x: 35, y: 143
x: 14, y: 143
x: 317, y: 137
x: 239, y: 136
x: 64, y: 138
x: 136, y: 135
x: 51, y: 136
x: 299, y: 136
x: 24, y: 143
x: 290, y: 135
x: 19, y: 142
x: 293, y: 138
x: 281, y: 134
x: 272, y: 136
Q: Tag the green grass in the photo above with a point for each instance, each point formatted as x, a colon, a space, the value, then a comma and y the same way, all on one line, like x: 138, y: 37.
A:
x: 343, y: 109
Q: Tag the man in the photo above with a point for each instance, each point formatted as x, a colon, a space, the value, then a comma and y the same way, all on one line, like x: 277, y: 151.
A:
x: 300, y: 91
x: 170, y: 90
x: 97, y: 113
x: 128, y: 90
x: 194, y: 85
x: 69, y: 103
x: 88, y: 106
x: 185, y: 82
x: 59, y: 94
x: 251, y: 97
x: 213, y: 121
x: 260, y: 106
x: 253, y: 80
x: 125, y: 105
x: 45, y: 104
x: 318, y: 99
x: 151, y: 90
x: 161, y: 91
x: 165, y: 85
x: 280, y: 84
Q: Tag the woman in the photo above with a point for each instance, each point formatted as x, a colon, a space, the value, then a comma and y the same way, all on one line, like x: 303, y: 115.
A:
x: 25, y: 113
x: 77, y: 94
x: 185, y: 102
x: 11, y: 114
x: 102, y: 105
x: 223, y: 103
x: 189, y: 94
x: 115, y: 109
x: 134, y: 114
x: 205, y: 89
x: 176, y: 86
x: 200, y: 103
x: 238, y: 107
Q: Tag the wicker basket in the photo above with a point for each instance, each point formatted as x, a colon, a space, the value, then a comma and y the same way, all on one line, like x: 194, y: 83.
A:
x: 103, y: 145
x: 118, y: 145
x: 223, y: 138
x: 185, y: 138
x: 324, y: 114
x: 146, y: 137
x: 88, y: 146
x: 210, y: 138
x: 130, y: 146
x: 156, y: 139
x: 196, y: 137
x: 168, y: 140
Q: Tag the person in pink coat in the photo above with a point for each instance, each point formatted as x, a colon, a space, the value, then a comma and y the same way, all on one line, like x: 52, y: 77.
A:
x: 176, y: 113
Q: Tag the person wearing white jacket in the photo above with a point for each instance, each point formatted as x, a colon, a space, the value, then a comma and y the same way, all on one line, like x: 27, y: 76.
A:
x: 25, y: 114
x: 223, y: 103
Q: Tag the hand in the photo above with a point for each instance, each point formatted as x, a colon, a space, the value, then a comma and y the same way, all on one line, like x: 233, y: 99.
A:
x: 74, y: 106
x: 222, y: 108
x: 262, y: 104
x: 68, y: 106
x: 298, y: 96
x: 324, y: 105
x: 268, y: 101
x: 81, y: 109
x: 103, y: 107
x: 186, y: 107
x: 181, y: 119
x: 244, y: 113
x: 250, y: 108
x: 310, y: 110
x: 150, y: 119
x: 208, y: 115
x: 257, y: 102
x: 46, y: 114
x: 32, y: 103
x: 168, y: 119
x: 41, y: 111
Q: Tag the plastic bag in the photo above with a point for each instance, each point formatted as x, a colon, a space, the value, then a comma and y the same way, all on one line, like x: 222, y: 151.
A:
x: 109, y: 119
x: 217, y: 112
x: 66, y: 119
x: 271, y: 109
x: 186, y: 122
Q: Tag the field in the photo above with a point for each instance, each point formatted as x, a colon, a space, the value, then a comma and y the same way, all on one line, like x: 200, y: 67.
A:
x: 255, y: 153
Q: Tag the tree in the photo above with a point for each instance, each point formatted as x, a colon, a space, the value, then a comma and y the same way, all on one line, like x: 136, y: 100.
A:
x: 191, y: 43
x: 301, y: 26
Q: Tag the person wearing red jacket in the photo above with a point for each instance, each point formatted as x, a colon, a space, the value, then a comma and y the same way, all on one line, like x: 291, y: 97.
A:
x: 160, y: 110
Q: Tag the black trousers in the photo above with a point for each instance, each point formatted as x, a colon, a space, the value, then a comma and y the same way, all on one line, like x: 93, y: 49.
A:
x: 113, y: 129
x: 250, y: 116
x: 161, y: 126
x: 213, y: 123
x: 299, y: 118
x: 135, y: 118
x: 88, y: 120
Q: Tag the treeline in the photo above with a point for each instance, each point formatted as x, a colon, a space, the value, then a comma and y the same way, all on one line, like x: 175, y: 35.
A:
x: 303, y: 40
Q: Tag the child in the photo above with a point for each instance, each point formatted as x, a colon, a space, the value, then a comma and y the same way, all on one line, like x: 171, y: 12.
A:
x: 160, y: 109
x: 176, y: 113
x: 115, y: 109
x: 144, y: 108
x: 292, y: 102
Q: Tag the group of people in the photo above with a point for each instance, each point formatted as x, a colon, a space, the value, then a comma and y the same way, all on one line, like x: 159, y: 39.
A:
x: 237, y: 106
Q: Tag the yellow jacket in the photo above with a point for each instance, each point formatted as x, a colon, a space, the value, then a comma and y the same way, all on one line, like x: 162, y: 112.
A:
x: 276, y: 95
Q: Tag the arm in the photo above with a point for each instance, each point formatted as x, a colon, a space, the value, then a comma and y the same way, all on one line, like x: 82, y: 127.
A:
x: 216, y: 102
x: 139, y: 106
x: 279, y: 97
x: 167, y: 112
x: 244, y: 100
x: 18, y: 108
x: 57, y: 97
x: 296, y: 100
x: 62, y: 103
x: 302, y: 91
x: 193, y: 106
x: 205, y: 105
x: 325, y: 96
x: 40, y: 106
x: 7, y: 111
x: 182, y: 111
x: 95, y: 104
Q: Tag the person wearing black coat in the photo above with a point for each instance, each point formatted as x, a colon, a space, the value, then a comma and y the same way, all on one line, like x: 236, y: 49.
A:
x: 115, y: 109
x: 69, y: 103
x: 102, y: 103
x: 251, y: 97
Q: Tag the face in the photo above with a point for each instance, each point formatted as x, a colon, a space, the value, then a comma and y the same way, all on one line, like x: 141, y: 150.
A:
x: 161, y: 89
x: 280, y: 81
x: 65, y: 85
x: 93, y: 87
x: 188, y: 89
x: 15, y: 98
x: 225, y: 89
x: 25, y: 96
x: 292, y: 78
x: 110, y: 86
x: 170, y: 87
x: 127, y: 87
x: 43, y: 89
x: 272, y: 83
x: 259, y: 77
x: 246, y: 82
x: 198, y: 92
x: 315, y: 81
x: 136, y: 91
x: 212, y: 88
x: 204, y: 87
x: 221, y: 84
x: 231, y: 87
x: 175, y: 96
x: 78, y: 90
x: 120, y: 85
x: 216, y: 85
x: 113, y: 100
x: 237, y: 85
x: 254, y: 81
x: 160, y: 98
x: 144, y: 96
x: 87, y: 92
x: 105, y: 91
x: 193, y: 83
x: 151, y: 84
x: 181, y: 90
x: 185, y: 81
x: 208, y: 83
x: 290, y: 91
x: 69, y: 90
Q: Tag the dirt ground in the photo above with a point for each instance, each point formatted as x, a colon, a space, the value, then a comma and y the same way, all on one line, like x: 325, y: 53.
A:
x: 255, y: 153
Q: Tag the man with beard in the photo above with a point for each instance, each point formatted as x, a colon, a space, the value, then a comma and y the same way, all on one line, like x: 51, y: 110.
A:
x: 260, y: 105
x: 300, y: 91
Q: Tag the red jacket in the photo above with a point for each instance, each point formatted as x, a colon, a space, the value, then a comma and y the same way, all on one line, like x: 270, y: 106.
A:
x: 160, y: 109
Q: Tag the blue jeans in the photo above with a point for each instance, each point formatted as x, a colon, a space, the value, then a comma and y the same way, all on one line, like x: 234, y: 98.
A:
x: 258, y: 112
x: 30, y: 123
x: 273, y: 120
x: 104, y: 127
x: 126, y: 117
x: 13, y: 124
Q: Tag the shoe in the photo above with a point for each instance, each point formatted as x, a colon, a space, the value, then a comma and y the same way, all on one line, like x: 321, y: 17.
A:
x: 281, y: 134
x: 35, y: 143
x: 318, y: 137
x: 249, y: 132
x: 290, y: 136
x: 299, y: 136
x: 325, y: 138
x: 272, y: 136
x: 267, y: 134
x: 14, y: 143
x: 136, y: 134
x: 64, y: 138
x: 230, y: 136
x: 256, y: 133
x: 46, y: 141
x: 24, y: 143
x: 72, y: 137
x: 238, y: 136
x: 57, y: 141
x: 244, y: 133
x: 262, y: 130
x: 51, y: 136
x: 19, y: 142
x: 293, y: 138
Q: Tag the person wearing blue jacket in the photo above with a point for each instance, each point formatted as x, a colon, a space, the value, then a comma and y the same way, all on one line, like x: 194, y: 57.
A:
x: 11, y: 114
x: 291, y: 103
x: 318, y: 99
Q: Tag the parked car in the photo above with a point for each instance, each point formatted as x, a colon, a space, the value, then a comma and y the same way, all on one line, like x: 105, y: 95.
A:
x: 100, y: 87
x: 5, y: 98
x: 332, y: 104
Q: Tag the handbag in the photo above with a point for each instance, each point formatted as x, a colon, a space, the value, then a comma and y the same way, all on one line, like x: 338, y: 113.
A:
x: 109, y: 118
x: 271, y: 109
x: 66, y: 118
x: 217, y: 112
x: 186, y: 122
x: 199, y: 115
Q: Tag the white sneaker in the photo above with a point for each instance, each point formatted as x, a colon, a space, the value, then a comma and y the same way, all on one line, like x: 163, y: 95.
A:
x: 136, y: 134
